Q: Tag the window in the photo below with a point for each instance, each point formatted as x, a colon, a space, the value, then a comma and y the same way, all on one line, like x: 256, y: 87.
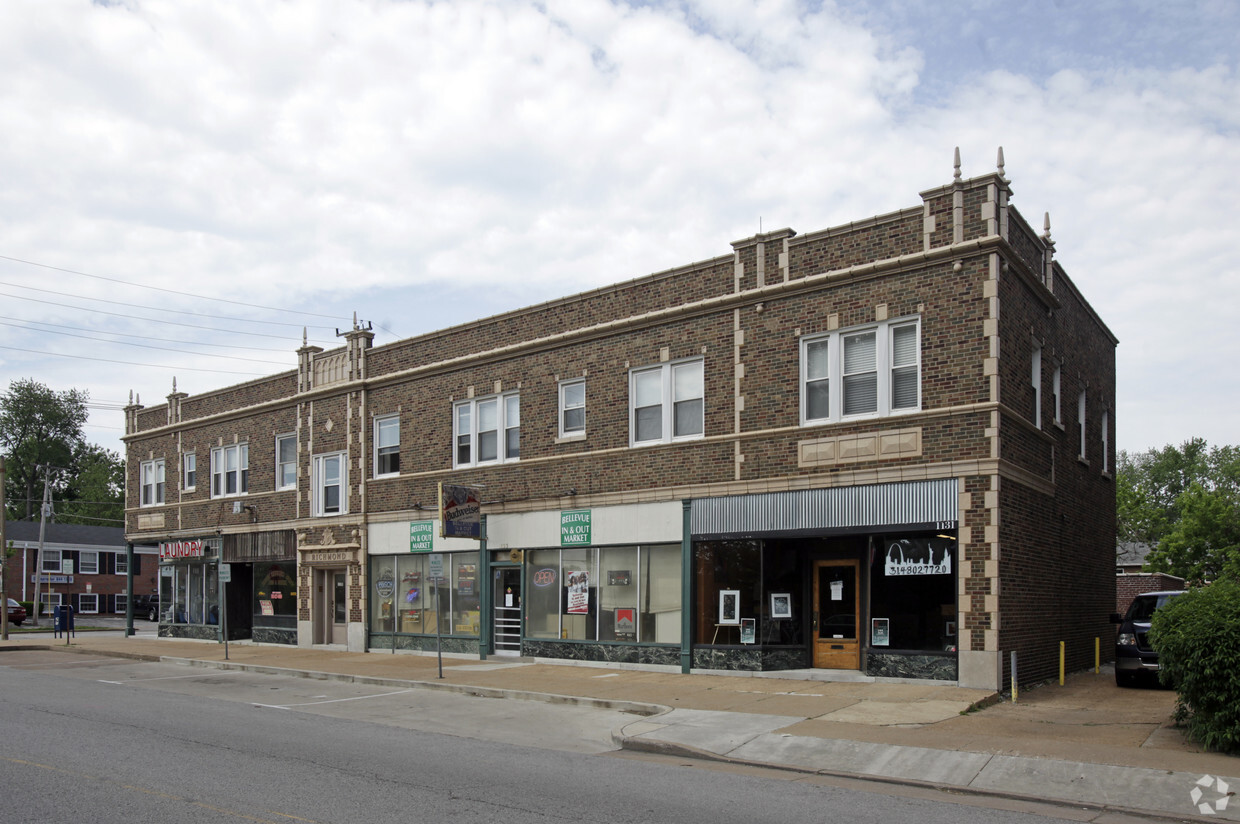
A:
x: 858, y: 372
x: 122, y: 563
x: 1036, y: 377
x: 88, y: 602
x: 1106, y: 442
x: 1055, y: 378
x: 666, y: 403
x: 286, y: 461
x: 51, y: 561
x: 330, y: 482
x: 1080, y: 422
x: 189, y: 475
x: 387, y: 446
x: 230, y: 470
x: 152, y: 482
x: 88, y: 563
x: 479, y: 425
x: 572, y: 408
x: 121, y: 604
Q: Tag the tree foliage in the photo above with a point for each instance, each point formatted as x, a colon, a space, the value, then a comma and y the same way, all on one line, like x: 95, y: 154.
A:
x: 1185, y: 503
x: 38, y: 426
x: 95, y: 493
x: 1197, y: 636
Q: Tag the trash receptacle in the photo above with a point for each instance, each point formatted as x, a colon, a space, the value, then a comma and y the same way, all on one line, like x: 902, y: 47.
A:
x: 63, y: 618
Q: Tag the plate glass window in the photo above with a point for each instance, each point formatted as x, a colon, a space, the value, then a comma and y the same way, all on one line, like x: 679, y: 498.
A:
x: 387, y: 445
x: 572, y: 408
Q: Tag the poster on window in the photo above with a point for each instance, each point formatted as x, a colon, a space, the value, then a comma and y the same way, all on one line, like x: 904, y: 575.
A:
x: 578, y: 593
x: 626, y: 623
x: 919, y: 556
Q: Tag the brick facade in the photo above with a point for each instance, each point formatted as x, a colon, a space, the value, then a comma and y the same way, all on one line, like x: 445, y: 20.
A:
x: 1036, y: 524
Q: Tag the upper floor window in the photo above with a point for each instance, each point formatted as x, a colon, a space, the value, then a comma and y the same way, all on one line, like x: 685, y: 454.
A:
x: 51, y: 560
x: 487, y: 430
x: 88, y: 563
x: 873, y: 370
x: 1056, y: 377
x: 573, y: 408
x: 151, y: 482
x: 1036, y: 378
x: 230, y: 470
x: 189, y: 472
x: 666, y: 402
x: 286, y: 461
x: 387, y: 446
x: 330, y: 480
x: 122, y: 563
x: 1080, y: 422
x: 1106, y: 441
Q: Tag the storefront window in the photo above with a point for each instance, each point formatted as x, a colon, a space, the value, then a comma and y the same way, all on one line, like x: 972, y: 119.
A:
x: 913, y: 586
x: 404, y: 599
x: 624, y: 594
x: 275, y: 591
x: 189, y: 593
x: 721, y: 566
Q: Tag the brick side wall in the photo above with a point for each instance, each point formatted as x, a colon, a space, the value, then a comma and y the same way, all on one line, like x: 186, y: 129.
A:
x: 1131, y: 585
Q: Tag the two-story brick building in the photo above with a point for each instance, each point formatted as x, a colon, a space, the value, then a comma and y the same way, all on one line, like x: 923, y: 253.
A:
x: 884, y: 447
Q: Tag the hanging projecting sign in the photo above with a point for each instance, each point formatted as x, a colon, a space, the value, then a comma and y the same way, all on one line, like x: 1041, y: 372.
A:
x: 575, y: 528
x: 460, y: 512
x: 919, y: 556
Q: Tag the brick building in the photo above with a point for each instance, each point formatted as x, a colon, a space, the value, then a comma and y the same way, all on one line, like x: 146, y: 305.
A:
x: 884, y: 447
x: 86, y: 567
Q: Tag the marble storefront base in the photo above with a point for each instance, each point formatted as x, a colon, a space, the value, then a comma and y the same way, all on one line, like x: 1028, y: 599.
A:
x: 751, y: 659
x: 608, y: 653
x: 896, y: 665
x: 272, y: 635
x: 425, y: 643
x: 198, y: 632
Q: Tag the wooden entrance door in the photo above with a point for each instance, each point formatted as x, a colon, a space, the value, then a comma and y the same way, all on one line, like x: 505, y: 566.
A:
x: 836, y: 619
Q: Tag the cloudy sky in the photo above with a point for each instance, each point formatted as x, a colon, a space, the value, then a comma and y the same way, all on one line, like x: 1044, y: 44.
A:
x: 185, y: 186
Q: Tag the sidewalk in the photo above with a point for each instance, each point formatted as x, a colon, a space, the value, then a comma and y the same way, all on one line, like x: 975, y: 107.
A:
x: 1087, y: 743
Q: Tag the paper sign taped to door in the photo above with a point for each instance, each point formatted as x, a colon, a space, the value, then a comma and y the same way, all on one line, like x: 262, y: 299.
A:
x: 837, y: 590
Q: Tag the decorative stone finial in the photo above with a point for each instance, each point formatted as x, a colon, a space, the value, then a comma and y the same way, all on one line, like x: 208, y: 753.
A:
x: 956, y: 175
x: 304, y: 340
x: 355, y: 321
x: 174, y: 384
x: 999, y: 161
x: 131, y: 397
x: 1046, y: 226
x: 137, y: 399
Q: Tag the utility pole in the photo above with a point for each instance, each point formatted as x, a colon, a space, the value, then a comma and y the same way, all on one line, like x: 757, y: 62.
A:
x: 4, y: 564
x: 38, y: 558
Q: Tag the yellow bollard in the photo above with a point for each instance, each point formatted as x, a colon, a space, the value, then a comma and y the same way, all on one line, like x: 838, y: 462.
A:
x: 1061, y: 663
x: 1097, y: 654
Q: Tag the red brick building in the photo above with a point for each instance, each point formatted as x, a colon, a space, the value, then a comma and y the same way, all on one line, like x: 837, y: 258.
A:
x: 884, y: 447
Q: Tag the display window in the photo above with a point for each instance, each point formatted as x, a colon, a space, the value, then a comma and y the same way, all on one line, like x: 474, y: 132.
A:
x: 189, y: 593
x: 616, y: 594
x: 405, y: 600
x: 275, y: 594
x: 913, y: 593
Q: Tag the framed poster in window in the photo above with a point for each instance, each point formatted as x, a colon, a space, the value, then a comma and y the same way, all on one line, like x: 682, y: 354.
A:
x: 880, y: 632
x: 781, y: 605
x: 729, y: 606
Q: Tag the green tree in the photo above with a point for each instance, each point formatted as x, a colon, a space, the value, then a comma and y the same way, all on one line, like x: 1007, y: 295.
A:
x: 37, y: 426
x: 96, y: 491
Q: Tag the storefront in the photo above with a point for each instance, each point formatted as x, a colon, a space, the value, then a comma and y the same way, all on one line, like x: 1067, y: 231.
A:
x: 851, y: 578
x: 423, y: 589
x: 189, y: 588
x: 261, y: 597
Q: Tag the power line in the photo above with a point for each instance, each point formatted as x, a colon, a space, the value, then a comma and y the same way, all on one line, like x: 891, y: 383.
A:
x: 162, y: 289
x: 145, y: 345
x: 145, y: 337
x: 132, y: 363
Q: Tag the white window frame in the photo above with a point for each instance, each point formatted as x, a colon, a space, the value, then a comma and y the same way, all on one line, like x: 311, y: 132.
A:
x: 120, y: 563
x: 49, y: 600
x: 1080, y: 422
x: 1036, y: 378
x: 83, y: 597
x: 220, y: 470
x: 885, y: 370
x: 189, y: 472
x: 572, y: 405
x: 51, y: 561
x: 1106, y: 440
x: 675, y: 378
x: 504, y: 410
x: 280, y: 465
x: 385, y: 424
x: 151, y: 482
x: 319, y: 465
x: 1056, y: 394
x: 82, y: 566
x: 120, y: 602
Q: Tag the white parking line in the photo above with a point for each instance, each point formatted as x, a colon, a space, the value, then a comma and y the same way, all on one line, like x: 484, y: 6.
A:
x: 168, y: 677
x: 329, y: 701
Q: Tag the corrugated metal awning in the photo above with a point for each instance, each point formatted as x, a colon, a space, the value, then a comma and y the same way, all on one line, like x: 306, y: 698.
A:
x: 838, y: 510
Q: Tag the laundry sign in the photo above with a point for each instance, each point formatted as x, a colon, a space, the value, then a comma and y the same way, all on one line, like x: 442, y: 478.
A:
x: 575, y: 527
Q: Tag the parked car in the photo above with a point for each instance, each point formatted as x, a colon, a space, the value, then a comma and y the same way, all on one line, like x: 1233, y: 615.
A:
x: 17, y: 613
x: 1135, y: 659
x: 146, y: 606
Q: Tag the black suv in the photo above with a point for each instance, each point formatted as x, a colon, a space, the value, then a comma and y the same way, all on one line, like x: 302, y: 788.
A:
x: 1134, y: 657
x: 146, y: 606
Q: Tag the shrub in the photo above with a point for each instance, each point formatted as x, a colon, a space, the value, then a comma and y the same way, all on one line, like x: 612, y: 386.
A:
x: 1197, y: 637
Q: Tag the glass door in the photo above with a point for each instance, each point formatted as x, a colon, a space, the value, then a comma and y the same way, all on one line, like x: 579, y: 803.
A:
x: 506, y: 629
x: 835, y: 618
